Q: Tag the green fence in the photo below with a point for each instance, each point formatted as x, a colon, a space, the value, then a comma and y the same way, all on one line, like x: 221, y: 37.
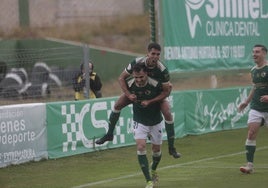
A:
x: 63, y: 54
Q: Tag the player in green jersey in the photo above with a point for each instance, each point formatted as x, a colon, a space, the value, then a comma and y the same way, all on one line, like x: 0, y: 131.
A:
x: 147, y: 119
x: 258, y: 99
x: 157, y: 71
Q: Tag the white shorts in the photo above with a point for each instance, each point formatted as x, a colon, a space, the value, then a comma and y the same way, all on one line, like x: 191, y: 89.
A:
x: 155, y: 132
x: 255, y: 116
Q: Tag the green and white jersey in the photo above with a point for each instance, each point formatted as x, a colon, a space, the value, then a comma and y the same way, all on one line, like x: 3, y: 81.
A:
x: 159, y: 73
x: 150, y: 115
x: 260, y: 80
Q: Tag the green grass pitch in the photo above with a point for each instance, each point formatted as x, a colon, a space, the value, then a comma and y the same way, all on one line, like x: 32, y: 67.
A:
x: 209, y: 160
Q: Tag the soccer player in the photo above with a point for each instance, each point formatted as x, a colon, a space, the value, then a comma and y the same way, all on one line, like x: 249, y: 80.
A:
x: 147, y: 120
x: 258, y: 99
x: 157, y: 71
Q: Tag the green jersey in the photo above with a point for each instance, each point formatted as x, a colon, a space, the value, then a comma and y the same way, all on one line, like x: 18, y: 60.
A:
x: 260, y: 79
x: 159, y: 73
x: 150, y: 115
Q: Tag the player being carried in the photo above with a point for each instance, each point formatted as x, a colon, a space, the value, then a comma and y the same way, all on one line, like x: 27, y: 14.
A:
x: 157, y: 71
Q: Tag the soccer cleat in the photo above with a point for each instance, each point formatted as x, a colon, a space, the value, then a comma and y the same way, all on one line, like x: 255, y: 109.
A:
x: 155, y: 177
x: 174, y: 153
x: 149, y: 184
x: 107, y: 137
x: 248, y: 169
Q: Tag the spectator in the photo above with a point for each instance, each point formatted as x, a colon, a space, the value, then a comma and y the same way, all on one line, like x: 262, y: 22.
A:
x: 79, y: 83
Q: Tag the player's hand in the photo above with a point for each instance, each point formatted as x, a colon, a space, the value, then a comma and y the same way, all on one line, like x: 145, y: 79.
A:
x: 145, y: 103
x: 132, y: 97
x: 264, y: 98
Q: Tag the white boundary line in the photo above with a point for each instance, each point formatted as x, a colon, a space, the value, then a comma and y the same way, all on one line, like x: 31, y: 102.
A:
x: 166, y: 167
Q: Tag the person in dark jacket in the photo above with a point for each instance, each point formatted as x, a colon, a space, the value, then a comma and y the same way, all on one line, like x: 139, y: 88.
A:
x: 79, y: 83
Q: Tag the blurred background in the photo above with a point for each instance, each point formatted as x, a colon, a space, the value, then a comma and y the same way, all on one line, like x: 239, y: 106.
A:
x: 43, y: 43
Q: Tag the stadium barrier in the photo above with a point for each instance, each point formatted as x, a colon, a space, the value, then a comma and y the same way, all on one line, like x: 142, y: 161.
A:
x: 59, y: 129
x: 50, y: 65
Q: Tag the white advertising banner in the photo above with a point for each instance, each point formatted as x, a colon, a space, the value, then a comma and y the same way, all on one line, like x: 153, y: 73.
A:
x: 23, y: 134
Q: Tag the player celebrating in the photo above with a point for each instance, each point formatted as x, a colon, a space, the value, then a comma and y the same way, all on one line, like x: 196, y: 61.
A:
x: 157, y: 71
x: 258, y: 96
x: 147, y: 120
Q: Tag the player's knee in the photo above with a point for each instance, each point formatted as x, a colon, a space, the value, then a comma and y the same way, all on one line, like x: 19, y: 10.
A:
x: 252, y: 134
x: 168, y: 117
x: 167, y: 114
x: 117, y: 107
x: 141, y: 147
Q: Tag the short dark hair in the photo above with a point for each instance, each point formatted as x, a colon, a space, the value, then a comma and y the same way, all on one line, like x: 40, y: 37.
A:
x: 82, y: 66
x: 154, y: 45
x: 139, y: 67
x: 262, y: 47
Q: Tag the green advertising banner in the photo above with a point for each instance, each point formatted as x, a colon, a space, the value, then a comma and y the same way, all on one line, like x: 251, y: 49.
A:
x: 201, y: 35
x: 215, y: 110
x: 73, y: 127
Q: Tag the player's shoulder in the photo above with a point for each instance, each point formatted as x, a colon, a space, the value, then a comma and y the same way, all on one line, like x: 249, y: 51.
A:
x: 253, y: 68
x: 153, y: 82
x: 263, y: 68
x: 130, y: 81
x: 133, y: 63
x: 140, y: 59
x: 161, y: 66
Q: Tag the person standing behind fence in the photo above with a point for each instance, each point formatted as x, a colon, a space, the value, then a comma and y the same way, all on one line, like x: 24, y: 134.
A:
x: 79, y: 83
x: 258, y: 99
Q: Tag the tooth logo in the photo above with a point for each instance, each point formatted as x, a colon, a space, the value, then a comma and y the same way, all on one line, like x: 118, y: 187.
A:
x: 193, y: 21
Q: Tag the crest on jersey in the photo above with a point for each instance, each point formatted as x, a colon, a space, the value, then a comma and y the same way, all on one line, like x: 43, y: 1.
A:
x: 147, y: 92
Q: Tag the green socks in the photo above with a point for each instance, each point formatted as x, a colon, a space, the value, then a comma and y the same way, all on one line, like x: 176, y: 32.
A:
x: 156, y: 159
x: 250, y: 153
x: 169, y: 126
x: 250, y: 149
x: 114, y: 116
x: 143, y: 161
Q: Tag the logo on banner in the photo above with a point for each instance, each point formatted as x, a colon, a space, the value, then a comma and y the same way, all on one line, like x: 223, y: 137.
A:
x: 210, y: 117
x: 225, y: 17
x: 77, y: 121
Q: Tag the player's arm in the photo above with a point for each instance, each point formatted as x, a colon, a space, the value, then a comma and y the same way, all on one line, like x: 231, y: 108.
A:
x: 166, y: 90
x: 244, y: 104
x: 122, y: 82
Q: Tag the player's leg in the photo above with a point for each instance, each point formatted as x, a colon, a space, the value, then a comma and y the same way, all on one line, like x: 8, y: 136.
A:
x: 156, y: 140
x: 254, y: 122
x: 113, y: 118
x: 250, y: 146
x: 140, y: 136
x: 169, y: 126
